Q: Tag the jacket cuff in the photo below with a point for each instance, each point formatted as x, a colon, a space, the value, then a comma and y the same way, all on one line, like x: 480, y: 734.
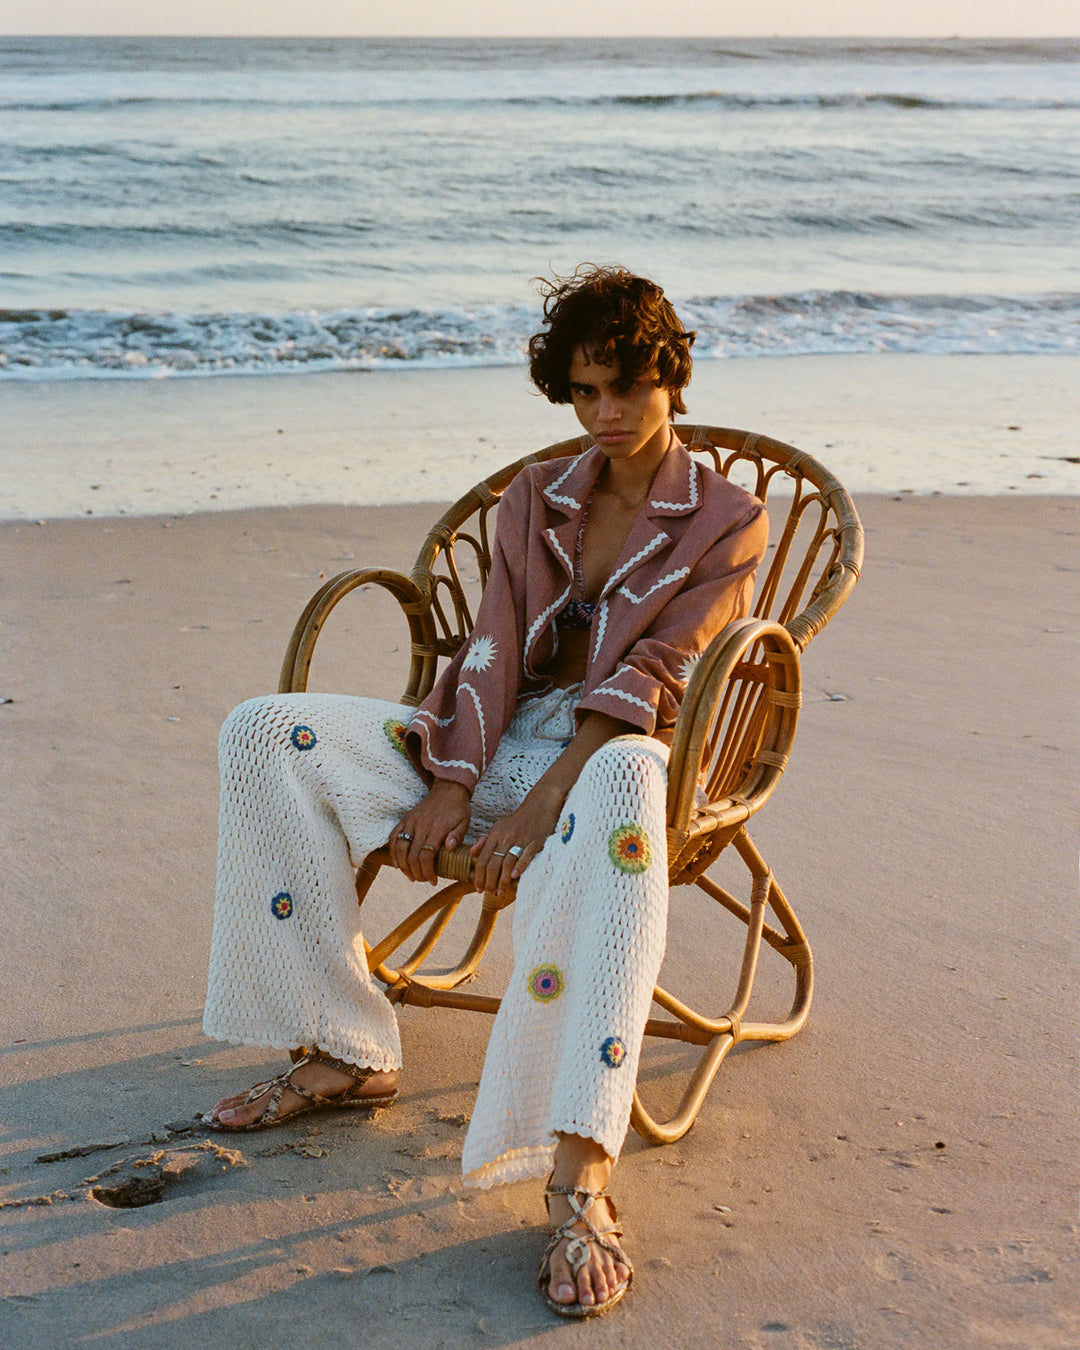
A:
x: 621, y: 703
x: 429, y: 768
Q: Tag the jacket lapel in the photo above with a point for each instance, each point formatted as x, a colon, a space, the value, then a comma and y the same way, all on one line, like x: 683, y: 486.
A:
x: 675, y: 492
x: 568, y: 494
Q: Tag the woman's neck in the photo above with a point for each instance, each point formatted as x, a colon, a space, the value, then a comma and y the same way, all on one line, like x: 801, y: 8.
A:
x: 630, y: 480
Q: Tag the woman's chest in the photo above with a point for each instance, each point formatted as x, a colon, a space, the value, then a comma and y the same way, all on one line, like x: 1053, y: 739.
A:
x: 601, y: 542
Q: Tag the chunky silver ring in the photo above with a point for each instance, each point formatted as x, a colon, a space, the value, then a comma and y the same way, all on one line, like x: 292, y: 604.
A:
x: 515, y: 851
x: 405, y: 836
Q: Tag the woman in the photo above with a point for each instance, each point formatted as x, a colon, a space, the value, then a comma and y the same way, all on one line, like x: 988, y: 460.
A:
x: 545, y: 744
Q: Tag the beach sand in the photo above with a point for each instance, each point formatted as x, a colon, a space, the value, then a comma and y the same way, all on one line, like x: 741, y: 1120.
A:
x: 902, y: 1174
x: 883, y: 423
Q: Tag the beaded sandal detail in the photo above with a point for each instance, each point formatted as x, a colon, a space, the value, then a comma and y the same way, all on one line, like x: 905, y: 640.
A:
x: 577, y: 1248
x: 349, y: 1098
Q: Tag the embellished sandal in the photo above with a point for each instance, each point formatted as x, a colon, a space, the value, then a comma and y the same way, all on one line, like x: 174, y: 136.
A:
x: 577, y: 1249
x: 349, y: 1098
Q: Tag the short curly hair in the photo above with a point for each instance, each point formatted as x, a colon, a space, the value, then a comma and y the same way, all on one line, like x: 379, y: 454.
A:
x: 615, y: 316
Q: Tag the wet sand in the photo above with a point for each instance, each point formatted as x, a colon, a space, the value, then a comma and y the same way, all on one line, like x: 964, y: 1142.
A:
x: 967, y: 425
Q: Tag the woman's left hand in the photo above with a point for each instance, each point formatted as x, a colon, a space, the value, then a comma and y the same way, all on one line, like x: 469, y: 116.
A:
x: 503, y: 854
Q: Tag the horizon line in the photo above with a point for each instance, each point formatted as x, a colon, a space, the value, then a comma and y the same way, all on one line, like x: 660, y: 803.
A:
x: 583, y: 37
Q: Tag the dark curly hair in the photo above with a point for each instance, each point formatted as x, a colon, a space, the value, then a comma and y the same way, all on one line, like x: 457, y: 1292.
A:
x: 615, y: 316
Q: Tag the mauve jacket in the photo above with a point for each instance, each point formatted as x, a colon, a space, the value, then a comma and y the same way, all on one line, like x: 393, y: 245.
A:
x: 686, y: 570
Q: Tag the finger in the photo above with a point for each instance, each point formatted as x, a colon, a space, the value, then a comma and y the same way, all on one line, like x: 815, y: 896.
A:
x: 528, y: 854
x: 403, y: 854
x: 416, y: 866
x: 489, y: 866
x: 506, y: 875
x: 427, y: 862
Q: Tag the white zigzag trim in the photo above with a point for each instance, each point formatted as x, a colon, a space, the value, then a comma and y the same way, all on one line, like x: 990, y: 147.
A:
x: 633, y: 562
x: 538, y: 623
x: 550, y: 492
x: 553, y: 541
x: 664, y: 581
x: 468, y: 689
x: 683, y: 506
x: 601, y: 627
x: 628, y: 698
x: 454, y: 764
x: 439, y: 721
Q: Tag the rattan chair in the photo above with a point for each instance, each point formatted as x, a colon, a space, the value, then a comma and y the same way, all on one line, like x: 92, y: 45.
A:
x: 734, y: 734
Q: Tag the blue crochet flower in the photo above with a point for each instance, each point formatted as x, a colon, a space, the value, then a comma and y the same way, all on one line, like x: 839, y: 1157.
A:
x: 303, y: 738
x: 281, y: 906
x: 613, y: 1052
x: 566, y: 829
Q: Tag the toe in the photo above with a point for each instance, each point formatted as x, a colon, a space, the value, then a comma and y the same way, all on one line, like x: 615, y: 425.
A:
x: 561, y: 1285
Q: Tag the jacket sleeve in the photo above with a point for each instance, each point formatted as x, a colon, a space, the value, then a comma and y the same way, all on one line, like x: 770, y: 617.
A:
x: 647, y: 685
x: 454, y: 732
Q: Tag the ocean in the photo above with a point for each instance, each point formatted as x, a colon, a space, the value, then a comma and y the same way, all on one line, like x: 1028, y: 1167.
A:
x: 176, y: 207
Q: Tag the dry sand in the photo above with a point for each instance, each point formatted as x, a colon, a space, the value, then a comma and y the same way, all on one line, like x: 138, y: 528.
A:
x: 902, y: 1174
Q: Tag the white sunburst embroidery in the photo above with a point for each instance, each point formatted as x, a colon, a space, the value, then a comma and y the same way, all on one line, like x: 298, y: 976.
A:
x: 481, y: 653
x: 689, y: 665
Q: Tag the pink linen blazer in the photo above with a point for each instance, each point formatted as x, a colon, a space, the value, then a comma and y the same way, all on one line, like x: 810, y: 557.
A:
x: 686, y: 569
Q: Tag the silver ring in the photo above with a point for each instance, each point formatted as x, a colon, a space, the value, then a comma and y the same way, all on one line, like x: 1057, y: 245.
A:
x: 405, y: 836
x: 515, y: 851
x: 496, y: 854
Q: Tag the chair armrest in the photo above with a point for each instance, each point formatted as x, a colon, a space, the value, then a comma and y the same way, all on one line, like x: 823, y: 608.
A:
x: 740, y: 710
x: 414, y: 604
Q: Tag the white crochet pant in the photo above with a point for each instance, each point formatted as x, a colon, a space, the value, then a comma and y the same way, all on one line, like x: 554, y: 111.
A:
x: 312, y: 783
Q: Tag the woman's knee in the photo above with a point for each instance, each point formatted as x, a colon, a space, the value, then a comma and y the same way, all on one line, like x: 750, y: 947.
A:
x: 639, y: 759
x: 261, y: 721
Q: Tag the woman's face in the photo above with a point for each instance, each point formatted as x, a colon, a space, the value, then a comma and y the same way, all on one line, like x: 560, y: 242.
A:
x: 624, y: 424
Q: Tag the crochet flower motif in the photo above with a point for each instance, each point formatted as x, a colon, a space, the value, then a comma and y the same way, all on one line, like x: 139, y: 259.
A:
x: 395, y: 734
x: 281, y: 906
x: 629, y: 849
x: 613, y: 1052
x: 303, y: 738
x: 545, y: 983
x: 566, y: 829
x: 480, y: 654
x: 688, y: 667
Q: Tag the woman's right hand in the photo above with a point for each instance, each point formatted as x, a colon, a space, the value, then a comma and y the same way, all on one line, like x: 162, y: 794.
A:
x: 440, y: 820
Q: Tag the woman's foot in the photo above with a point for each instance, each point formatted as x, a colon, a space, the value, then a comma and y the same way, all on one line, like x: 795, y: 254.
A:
x: 316, y: 1082
x: 603, y: 1273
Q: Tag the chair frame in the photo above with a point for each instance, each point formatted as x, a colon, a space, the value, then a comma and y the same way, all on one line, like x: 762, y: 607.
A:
x: 734, y: 734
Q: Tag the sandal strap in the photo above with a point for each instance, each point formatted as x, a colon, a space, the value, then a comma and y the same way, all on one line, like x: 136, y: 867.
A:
x: 275, y: 1087
x: 577, y: 1244
x: 361, y: 1073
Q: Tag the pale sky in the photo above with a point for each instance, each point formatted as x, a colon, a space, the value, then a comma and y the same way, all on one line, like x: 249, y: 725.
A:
x: 552, y: 18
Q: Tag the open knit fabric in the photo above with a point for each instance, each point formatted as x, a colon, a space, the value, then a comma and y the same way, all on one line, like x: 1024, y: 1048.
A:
x: 311, y: 783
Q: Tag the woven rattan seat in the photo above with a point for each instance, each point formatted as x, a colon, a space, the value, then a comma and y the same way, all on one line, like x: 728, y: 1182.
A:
x: 734, y: 735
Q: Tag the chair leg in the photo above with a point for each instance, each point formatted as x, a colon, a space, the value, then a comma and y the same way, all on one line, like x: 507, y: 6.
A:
x: 719, y: 1034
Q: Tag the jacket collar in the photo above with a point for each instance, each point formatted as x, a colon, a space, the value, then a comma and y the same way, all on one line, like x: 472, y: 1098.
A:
x: 675, y: 491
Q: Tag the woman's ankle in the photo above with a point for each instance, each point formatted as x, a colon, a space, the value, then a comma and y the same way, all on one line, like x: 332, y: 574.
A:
x: 581, y: 1162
